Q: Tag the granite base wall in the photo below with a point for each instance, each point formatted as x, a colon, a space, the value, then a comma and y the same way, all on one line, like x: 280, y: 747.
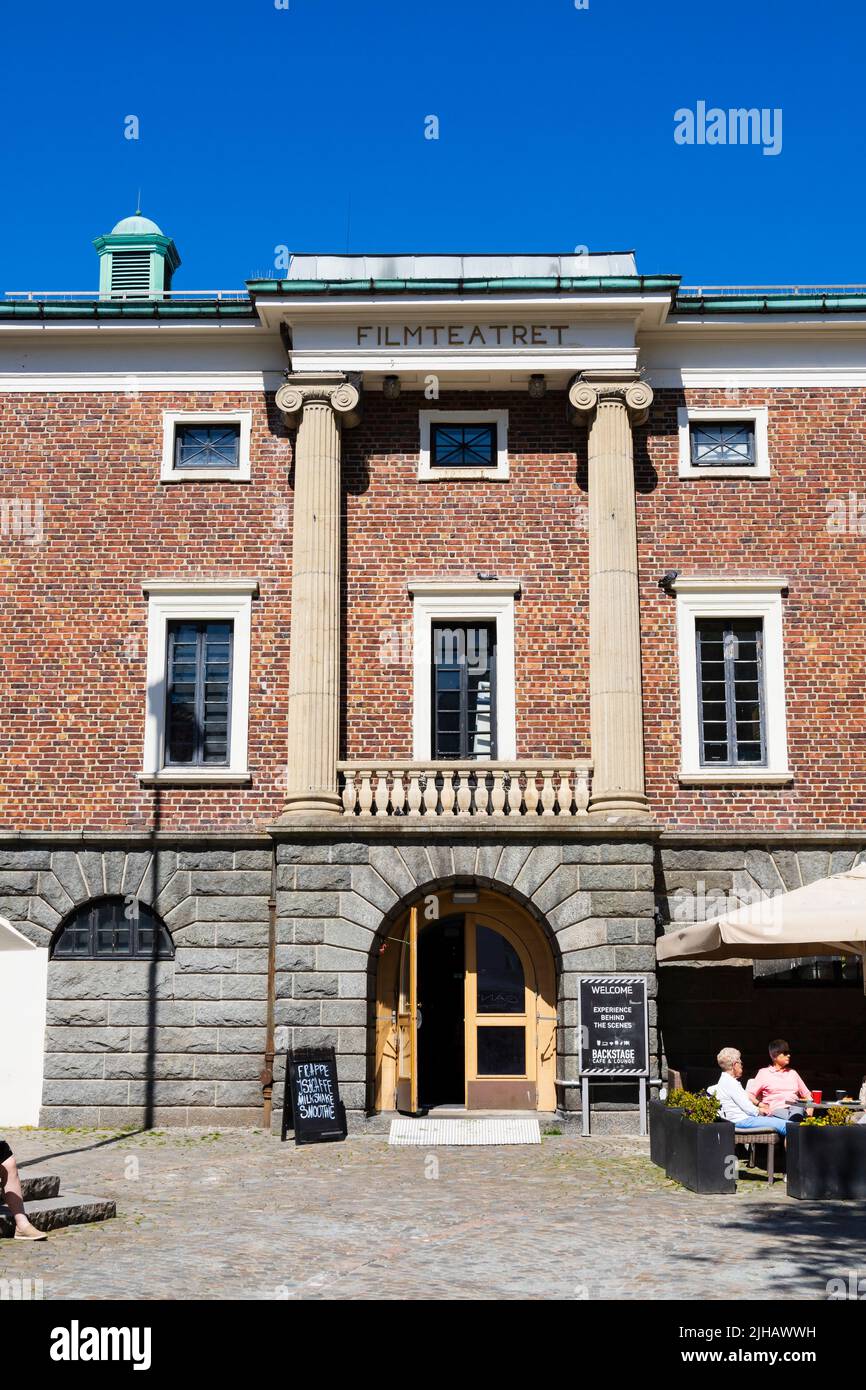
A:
x: 336, y: 901
x: 173, y: 1042
x: 183, y: 1041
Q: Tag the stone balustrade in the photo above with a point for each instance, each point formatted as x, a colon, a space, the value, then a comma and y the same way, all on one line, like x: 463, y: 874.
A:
x: 411, y: 789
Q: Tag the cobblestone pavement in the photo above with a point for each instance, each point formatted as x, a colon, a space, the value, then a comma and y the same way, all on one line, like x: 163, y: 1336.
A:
x: 238, y: 1215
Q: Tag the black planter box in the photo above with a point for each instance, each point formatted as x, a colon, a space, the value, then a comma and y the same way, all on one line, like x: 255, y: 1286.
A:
x: 702, y: 1157
x: 662, y: 1122
x: 826, y: 1162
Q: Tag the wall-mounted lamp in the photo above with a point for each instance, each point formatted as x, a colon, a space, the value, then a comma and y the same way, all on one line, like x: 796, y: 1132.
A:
x: 391, y: 388
x: 537, y: 385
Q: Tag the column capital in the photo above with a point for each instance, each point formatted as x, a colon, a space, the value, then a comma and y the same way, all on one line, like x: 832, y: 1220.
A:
x: 341, y: 391
x: 589, y: 389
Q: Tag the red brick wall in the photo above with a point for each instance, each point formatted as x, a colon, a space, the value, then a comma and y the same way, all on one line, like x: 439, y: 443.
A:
x: 817, y: 441
x: 74, y: 619
x: 530, y: 527
x: 72, y: 676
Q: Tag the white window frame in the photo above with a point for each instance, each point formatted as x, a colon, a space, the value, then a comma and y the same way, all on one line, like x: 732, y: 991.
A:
x: 201, y: 601
x: 755, y: 415
x: 700, y: 597
x: 170, y: 421
x: 459, y: 601
x: 427, y: 418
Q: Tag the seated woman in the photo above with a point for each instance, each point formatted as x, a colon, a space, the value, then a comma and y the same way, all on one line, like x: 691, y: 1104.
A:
x: 731, y: 1095
x: 11, y: 1185
x: 782, y: 1089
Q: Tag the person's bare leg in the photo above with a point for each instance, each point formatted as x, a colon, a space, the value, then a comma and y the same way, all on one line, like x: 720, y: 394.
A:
x: 15, y: 1201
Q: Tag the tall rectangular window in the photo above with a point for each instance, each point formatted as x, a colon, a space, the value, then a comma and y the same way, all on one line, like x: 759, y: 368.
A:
x: 198, y: 704
x: 464, y: 690
x: 731, y: 692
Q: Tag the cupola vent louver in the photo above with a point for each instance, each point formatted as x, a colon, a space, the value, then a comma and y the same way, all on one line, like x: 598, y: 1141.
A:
x: 130, y: 272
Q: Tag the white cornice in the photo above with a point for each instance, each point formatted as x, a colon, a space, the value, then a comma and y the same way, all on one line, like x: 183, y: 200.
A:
x: 748, y: 377
x: 199, y: 586
x: 739, y: 584
x: 648, y: 310
x: 436, y: 587
x: 132, y: 383
x: 463, y: 360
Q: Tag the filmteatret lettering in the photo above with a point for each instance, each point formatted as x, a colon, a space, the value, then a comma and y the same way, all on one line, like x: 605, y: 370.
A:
x: 461, y: 335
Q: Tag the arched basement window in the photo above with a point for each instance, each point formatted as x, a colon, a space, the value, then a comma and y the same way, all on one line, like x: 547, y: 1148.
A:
x: 115, y: 928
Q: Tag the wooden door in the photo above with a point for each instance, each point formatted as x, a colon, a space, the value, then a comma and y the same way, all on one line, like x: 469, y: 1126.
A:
x: 501, y: 1018
x: 407, y: 1020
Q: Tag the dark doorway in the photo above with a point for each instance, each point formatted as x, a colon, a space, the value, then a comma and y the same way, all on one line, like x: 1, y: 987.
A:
x: 441, y: 1044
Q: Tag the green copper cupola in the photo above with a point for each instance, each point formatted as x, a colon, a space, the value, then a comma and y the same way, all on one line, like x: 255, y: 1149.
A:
x: 136, y: 260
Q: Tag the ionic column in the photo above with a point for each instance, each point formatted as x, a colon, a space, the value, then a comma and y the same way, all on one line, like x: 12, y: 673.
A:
x: 616, y: 715
x: 318, y: 406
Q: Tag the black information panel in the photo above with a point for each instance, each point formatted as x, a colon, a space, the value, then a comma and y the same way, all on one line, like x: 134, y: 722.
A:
x: 613, y: 1026
x: 311, y: 1101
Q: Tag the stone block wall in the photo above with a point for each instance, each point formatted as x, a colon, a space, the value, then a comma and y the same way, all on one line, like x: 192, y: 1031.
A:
x: 183, y: 1041
x: 177, y: 1041
x: 338, y: 896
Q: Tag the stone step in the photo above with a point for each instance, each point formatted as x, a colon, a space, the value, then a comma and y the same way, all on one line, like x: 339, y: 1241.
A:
x: 37, y: 1186
x: 50, y: 1213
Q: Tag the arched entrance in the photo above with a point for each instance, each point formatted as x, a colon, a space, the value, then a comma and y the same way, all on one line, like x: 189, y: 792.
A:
x: 466, y: 1008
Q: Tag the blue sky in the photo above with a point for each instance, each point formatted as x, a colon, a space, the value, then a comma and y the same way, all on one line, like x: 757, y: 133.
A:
x: 304, y: 127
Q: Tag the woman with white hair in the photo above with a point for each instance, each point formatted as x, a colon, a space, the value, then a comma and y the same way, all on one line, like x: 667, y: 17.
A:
x: 735, y: 1104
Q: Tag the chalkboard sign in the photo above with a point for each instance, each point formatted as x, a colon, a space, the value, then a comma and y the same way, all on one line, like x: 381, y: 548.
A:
x: 613, y: 1026
x: 311, y: 1100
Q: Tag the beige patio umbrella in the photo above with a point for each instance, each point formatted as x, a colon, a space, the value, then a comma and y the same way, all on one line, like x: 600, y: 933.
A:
x: 826, y: 918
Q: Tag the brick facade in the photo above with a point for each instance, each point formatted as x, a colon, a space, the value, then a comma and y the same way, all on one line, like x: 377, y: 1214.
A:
x: 778, y: 525
x: 185, y: 1041
x: 76, y: 687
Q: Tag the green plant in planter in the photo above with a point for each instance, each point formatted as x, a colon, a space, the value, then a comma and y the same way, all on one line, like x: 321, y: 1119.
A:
x: 838, y: 1115
x: 703, y: 1109
x: 700, y: 1107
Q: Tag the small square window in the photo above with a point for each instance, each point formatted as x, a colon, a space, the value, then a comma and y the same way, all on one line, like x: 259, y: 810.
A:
x: 207, y: 446
x: 463, y: 446
x: 722, y: 444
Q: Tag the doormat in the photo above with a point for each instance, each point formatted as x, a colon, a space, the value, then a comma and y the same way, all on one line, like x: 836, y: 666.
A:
x: 429, y: 1132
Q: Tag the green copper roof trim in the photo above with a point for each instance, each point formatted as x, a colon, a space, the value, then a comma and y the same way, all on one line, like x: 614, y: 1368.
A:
x: 606, y: 284
x: 136, y: 309
x: 769, y: 304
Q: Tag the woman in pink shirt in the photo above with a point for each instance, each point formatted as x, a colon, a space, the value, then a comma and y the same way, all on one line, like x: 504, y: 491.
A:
x: 779, y: 1086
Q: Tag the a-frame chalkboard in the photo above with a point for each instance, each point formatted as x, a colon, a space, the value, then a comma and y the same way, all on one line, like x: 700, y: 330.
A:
x: 311, y: 1098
